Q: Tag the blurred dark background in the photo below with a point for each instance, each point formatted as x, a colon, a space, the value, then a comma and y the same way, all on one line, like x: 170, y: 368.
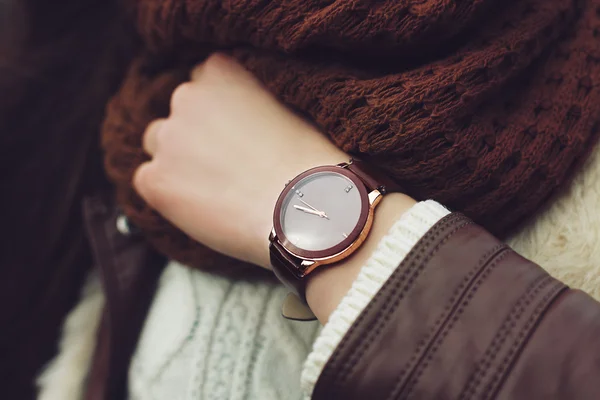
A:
x: 59, y: 63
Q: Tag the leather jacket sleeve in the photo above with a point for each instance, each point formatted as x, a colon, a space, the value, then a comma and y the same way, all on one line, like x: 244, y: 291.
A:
x: 465, y: 317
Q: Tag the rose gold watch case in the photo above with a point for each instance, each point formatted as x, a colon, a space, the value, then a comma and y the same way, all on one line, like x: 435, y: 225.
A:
x: 312, y: 259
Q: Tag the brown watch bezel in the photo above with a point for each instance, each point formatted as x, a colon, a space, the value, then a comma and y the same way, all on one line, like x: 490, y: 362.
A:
x: 365, y: 212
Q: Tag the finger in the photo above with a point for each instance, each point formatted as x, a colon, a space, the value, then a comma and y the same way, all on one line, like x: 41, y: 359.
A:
x: 148, y: 184
x: 141, y: 178
x: 197, y: 71
x: 149, y: 139
x: 217, y: 63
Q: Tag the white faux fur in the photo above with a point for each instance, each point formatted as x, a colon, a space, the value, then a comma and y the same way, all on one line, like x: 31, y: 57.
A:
x: 564, y: 239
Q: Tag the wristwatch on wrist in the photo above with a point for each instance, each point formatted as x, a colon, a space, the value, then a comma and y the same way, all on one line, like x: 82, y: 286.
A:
x: 322, y: 216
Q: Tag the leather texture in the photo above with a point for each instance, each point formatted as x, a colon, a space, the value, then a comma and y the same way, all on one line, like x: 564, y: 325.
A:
x: 122, y: 261
x: 373, y: 178
x: 465, y: 317
x: 287, y: 267
x: 295, y: 309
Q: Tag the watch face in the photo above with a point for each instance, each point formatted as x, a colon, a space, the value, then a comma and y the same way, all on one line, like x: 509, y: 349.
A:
x: 322, y: 211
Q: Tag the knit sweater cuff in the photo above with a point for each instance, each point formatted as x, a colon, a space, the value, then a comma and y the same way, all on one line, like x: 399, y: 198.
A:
x: 390, y: 252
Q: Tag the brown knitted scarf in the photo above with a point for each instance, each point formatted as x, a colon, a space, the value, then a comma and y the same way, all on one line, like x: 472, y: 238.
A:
x: 483, y: 105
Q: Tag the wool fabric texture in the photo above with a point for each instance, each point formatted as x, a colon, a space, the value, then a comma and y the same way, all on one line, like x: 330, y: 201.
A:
x: 483, y: 105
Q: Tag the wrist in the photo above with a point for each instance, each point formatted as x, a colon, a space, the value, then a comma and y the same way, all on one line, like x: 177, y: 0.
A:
x: 327, y: 285
x: 318, y: 153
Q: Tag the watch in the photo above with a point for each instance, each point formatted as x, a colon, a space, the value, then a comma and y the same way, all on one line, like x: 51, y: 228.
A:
x: 321, y: 217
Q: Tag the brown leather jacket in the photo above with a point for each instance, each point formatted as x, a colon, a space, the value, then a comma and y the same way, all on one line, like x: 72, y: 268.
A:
x: 463, y: 317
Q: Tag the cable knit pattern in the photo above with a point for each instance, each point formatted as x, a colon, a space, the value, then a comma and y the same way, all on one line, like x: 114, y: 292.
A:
x: 389, y: 254
x: 483, y: 105
x: 565, y: 240
x: 210, y: 337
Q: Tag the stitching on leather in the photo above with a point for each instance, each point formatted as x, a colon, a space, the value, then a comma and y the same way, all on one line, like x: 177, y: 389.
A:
x: 398, y: 291
x: 409, y: 262
x: 533, y: 322
x: 450, y: 305
x: 501, y: 335
x: 509, y: 323
x: 370, y: 338
x: 450, y: 324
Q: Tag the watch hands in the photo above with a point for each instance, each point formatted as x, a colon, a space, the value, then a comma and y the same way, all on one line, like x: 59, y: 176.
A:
x: 314, y: 211
x: 306, y: 204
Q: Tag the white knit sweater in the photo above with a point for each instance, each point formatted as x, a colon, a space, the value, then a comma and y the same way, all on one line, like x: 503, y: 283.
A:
x: 210, y: 338
x: 564, y: 238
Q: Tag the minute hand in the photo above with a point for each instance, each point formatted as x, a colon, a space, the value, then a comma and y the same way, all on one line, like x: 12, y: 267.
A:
x: 309, y: 206
x: 308, y: 210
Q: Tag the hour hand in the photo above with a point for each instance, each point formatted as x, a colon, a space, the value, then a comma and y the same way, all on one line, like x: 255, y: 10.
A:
x: 308, y: 210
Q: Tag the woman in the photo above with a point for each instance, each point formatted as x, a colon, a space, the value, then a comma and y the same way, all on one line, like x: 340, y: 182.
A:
x: 430, y: 306
x: 95, y: 210
x: 511, y: 329
x: 50, y: 160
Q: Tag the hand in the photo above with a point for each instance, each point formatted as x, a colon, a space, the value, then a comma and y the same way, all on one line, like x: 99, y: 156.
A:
x: 222, y: 157
x: 220, y: 161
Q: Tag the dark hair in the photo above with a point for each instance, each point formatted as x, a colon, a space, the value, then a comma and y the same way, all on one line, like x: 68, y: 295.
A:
x: 59, y: 64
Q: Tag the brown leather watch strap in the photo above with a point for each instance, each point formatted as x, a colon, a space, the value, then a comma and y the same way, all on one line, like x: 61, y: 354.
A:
x: 373, y: 177
x: 287, y: 269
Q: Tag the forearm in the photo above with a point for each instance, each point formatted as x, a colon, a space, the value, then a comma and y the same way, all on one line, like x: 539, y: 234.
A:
x: 382, y: 261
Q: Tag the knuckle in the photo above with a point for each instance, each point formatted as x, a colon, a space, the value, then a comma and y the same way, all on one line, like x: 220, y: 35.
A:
x: 149, y: 135
x: 181, y: 95
x: 161, y: 136
x: 140, y: 176
x: 217, y: 61
x: 145, y: 182
x: 219, y: 65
